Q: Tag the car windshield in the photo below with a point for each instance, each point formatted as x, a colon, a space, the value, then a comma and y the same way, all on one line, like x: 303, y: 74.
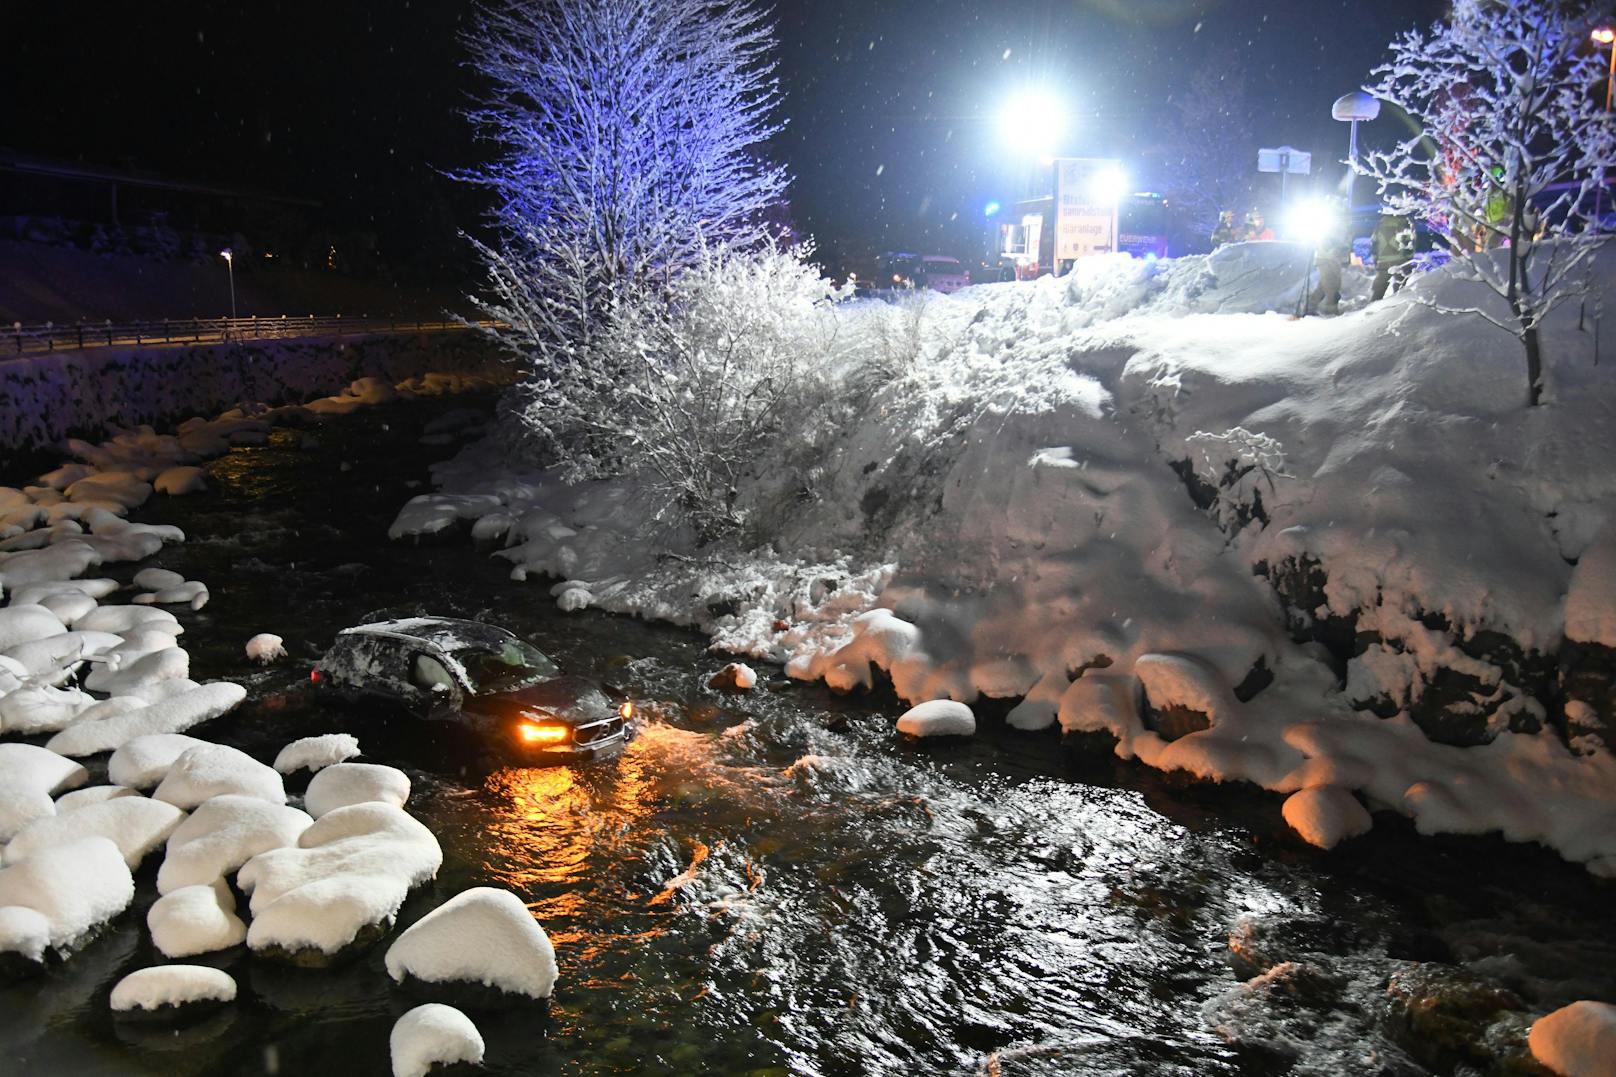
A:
x: 514, y: 664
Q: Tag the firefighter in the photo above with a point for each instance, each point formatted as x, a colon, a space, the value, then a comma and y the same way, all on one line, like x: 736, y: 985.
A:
x: 1225, y: 232
x: 1393, y: 247
x: 1330, y: 254
x: 1257, y: 227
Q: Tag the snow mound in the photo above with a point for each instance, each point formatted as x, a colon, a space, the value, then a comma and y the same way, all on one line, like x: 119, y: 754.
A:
x: 317, y: 753
x: 431, y: 1035
x: 938, y: 718
x: 24, y: 931
x: 175, y: 714
x: 166, y: 664
x: 483, y: 936
x: 1324, y: 815
x: 136, y: 825
x: 222, y: 835
x: 76, y: 887
x: 194, y: 920
x: 24, y: 624
x: 121, y: 620
x: 29, y: 777
x: 172, y: 985
x: 1578, y: 1040
x: 210, y: 770
x: 38, y: 708
x: 265, y: 648
x: 181, y: 480
x: 350, y: 871
x: 342, y: 784
x: 735, y: 677
x: 94, y: 794
x: 144, y: 761
x: 157, y: 579
x: 429, y: 514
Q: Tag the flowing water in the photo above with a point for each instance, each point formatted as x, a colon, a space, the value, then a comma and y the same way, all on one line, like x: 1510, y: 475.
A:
x: 776, y: 882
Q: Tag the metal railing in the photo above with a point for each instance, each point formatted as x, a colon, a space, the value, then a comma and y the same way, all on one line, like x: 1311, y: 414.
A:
x: 22, y: 339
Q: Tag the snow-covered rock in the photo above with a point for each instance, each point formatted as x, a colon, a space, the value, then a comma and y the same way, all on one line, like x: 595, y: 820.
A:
x: 24, y: 624
x: 29, y: 777
x: 431, y: 1035
x: 76, y: 887
x: 181, y: 480
x: 121, y: 620
x: 735, y: 677
x: 157, y: 579
x: 265, y: 648
x: 342, y: 784
x: 166, y: 664
x: 194, y: 920
x: 223, y: 834
x: 91, y: 794
x: 136, y: 825
x: 938, y: 718
x: 1325, y: 815
x: 317, y: 753
x: 144, y: 761
x: 341, y: 886
x: 38, y: 708
x: 172, y: 992
x: 482, y: 936
x: 1578, y: 1040
x: 175, y: 714
x: 210, y: 770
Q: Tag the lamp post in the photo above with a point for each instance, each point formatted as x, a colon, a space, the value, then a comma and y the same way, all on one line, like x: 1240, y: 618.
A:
x: 229, y: 257
x: 1606, y: 36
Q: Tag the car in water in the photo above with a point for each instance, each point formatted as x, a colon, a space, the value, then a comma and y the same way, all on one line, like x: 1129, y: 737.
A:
x: 480, y: 676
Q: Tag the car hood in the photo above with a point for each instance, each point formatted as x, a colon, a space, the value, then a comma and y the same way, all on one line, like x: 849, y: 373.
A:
x: 576, y: 699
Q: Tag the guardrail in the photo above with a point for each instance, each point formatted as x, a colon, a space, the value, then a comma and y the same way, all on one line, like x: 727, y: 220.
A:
x: 22, y: 339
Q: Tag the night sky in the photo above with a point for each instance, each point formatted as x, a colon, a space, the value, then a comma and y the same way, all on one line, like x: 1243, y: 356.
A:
x: 890, y: 103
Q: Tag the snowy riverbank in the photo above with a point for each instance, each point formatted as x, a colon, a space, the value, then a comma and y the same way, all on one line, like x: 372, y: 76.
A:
x: 1325, y: 556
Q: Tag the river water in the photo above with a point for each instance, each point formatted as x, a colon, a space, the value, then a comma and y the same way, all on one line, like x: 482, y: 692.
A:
x: 777, y: 883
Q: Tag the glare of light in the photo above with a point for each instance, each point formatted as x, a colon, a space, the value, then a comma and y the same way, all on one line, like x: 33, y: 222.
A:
x: 626, y: 711
x: 990, y: 209
x: 1605, y: 35
x: 534, y: 733
x: 1033, y: 122
x: 227, y: 254
x: 1107, y: 187
x: 1310, y: 220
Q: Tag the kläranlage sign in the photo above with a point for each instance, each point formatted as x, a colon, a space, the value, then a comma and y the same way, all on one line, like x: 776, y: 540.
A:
x: 1083, y: 226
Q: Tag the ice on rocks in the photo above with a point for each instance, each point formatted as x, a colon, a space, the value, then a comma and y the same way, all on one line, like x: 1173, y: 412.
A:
x: 210, y: 770
x: 938, y: 718
x: 136, y: 825
x: 29, y: 777
x: 342, y: 784
x: 76, y: 887
x: 480, y: 936
x: 143, y: 762
x: 223, y: 834
x: 1578, y: 1040
x: 265, y: 648
x: 175, y: 714
x: 350, y: 871
x: 165, y: 986
x: 433, y: 1035
x: 317, y: 753
x: 194, y: 920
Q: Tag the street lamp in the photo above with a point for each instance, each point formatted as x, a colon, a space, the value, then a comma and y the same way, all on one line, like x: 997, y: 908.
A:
x: 229, y: 257
x: 1606, y: 35
x: 1033, y: 122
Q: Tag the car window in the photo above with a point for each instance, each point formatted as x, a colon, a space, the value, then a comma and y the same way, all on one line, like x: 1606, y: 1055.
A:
x: 512, y: 664
x: 428, y: 673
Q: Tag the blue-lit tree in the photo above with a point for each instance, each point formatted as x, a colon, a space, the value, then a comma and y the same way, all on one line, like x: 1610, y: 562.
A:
x: 629, y: 137
x: 1513, y: 148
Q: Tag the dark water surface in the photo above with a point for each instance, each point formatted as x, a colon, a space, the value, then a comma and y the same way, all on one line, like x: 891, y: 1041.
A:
x: 776, y: 883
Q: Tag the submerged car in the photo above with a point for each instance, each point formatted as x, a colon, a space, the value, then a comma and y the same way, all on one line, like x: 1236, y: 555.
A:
x: 482, y: 676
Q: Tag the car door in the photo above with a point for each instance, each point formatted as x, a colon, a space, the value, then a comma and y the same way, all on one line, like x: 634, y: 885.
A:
x: 432, y: 689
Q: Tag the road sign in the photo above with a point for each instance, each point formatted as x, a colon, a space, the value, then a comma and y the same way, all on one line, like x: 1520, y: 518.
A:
x: 1286, y: 159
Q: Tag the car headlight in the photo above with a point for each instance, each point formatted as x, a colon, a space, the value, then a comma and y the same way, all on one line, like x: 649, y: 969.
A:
x: 533, y: 732
x: 626, y: 711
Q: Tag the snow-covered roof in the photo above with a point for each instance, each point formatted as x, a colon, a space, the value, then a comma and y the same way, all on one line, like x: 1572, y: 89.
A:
x: 446, y: 633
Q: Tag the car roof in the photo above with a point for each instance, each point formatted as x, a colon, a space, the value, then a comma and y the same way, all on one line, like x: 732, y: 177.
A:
x: 446, y: 633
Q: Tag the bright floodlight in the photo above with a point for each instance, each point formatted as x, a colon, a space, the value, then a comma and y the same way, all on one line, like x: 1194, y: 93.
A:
x: 1033, y: 122
x: 1605, y: 35
x: 227, y: 254
x: 1107, y: 187
x: 1310, y: 220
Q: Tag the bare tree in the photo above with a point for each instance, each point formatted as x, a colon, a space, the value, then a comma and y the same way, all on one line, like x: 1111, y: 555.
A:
x: 1514, y: 144
x: 629, y: 135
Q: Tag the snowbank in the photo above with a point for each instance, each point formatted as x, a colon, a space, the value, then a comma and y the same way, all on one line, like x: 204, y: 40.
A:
x: 479, y: 936
x: 1139, y: 500
x: 433, y: 1035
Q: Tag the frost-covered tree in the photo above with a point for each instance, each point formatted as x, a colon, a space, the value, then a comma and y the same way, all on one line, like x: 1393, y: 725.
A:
x: 1514, y: 143
x: 629, y: 136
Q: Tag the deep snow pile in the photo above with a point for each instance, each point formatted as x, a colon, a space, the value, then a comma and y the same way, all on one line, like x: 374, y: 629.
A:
x: 1333, y: 554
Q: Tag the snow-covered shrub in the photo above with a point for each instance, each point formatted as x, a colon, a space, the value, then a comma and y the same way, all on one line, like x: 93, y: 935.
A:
x: 1238, y: 464
x: 686, y: 389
